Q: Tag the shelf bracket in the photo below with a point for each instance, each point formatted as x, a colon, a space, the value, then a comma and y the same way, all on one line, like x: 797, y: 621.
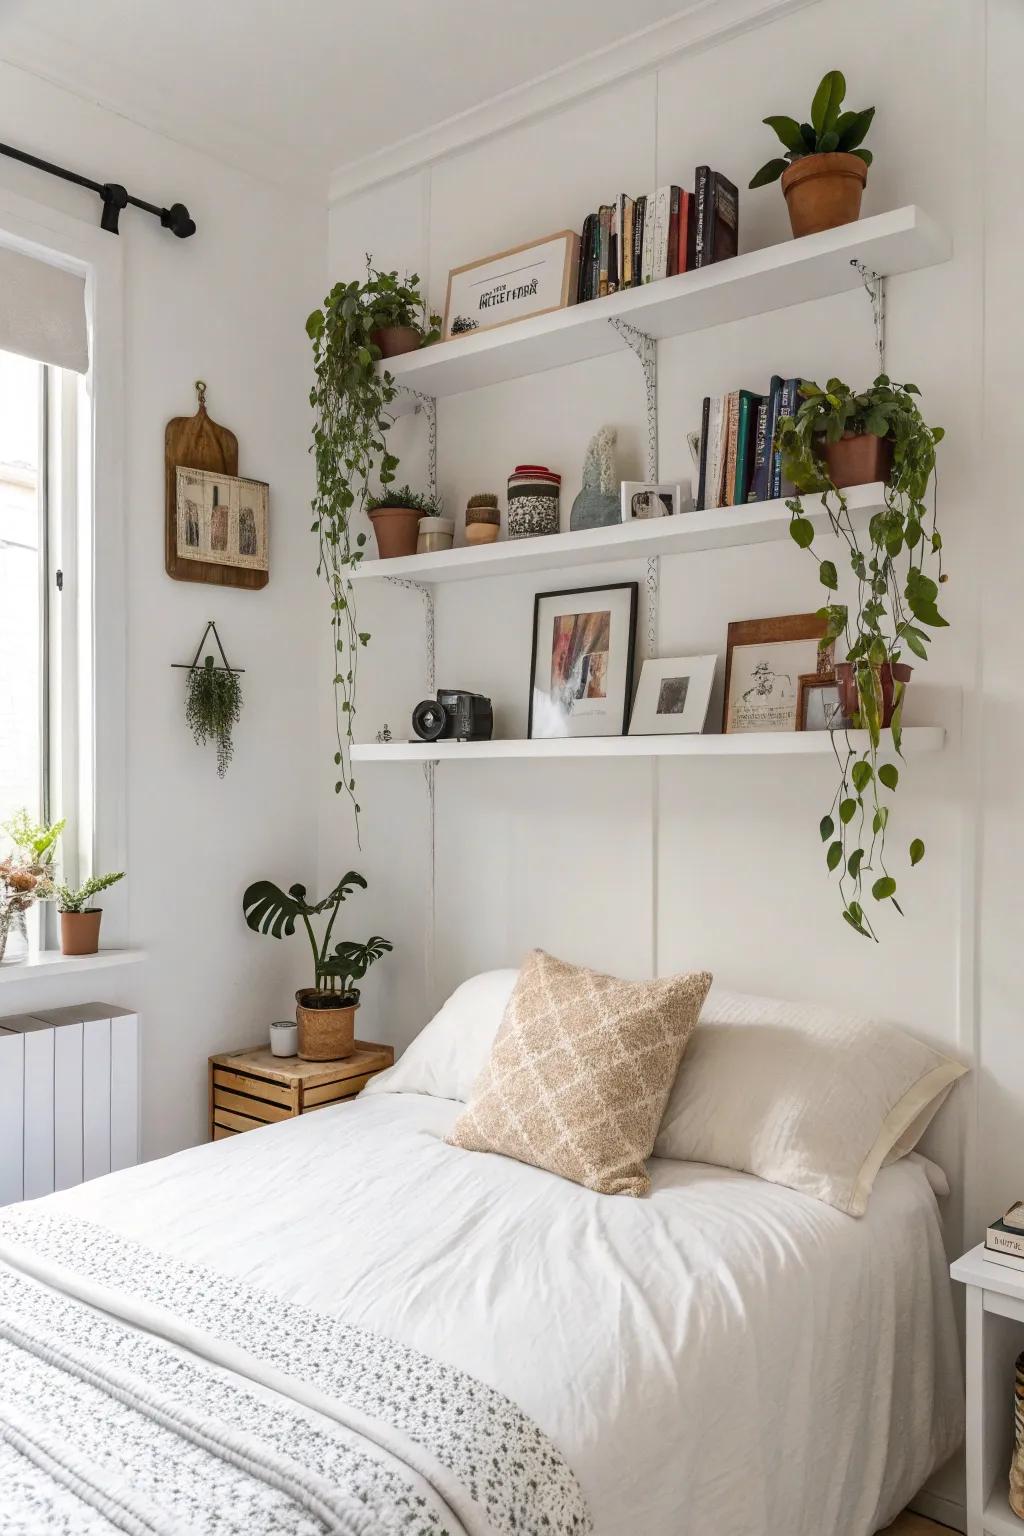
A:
x: 426, y: 405
x: 874, y: 286
x: 645, y: 349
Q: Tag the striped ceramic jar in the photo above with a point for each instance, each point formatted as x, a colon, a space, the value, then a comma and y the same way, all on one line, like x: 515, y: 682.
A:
x: 533, y: 492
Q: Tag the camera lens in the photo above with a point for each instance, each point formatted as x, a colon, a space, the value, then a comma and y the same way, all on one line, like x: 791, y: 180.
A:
x: 429, y: 719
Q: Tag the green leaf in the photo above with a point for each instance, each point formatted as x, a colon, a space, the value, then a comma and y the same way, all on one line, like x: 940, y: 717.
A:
x: 889, y: 775
x: 861, y: 774
x: 854, y: 862
x: 915, y: 640
x: 884, y: 888
x: 880, y: 819
x: 801, y: 531
x: 863, y: 154
x: 852, y: 128
x: 768, y: 173
x: 788, y: 130
x: 834, y: 856
x: 827, y: 575
x: 826, y: 828
x: 828, y: 99
x: 916, y: 851
x: 828, y: 143
x: 847, y: 811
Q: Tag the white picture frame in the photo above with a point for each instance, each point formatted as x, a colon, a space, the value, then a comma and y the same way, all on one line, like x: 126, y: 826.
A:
x: 674, y: 696
x: 641, y: 499
x: 530, y: 279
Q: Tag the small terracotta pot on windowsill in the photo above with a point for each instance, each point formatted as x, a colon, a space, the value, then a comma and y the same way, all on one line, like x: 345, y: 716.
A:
x: 80, y: 931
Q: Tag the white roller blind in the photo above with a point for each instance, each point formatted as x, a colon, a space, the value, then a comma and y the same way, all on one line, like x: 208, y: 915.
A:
x: 42, y: 311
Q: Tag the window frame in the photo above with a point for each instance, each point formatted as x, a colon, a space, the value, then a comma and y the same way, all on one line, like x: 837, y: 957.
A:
x: 90, y: 620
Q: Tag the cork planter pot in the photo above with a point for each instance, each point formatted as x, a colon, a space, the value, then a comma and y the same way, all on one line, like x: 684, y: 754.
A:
x: 327, y: 1024
x: 394, y: 340
x: 889, y: 674
x: 80, y: 931
x: 858, y: 459
x: 397, y: 529
x: 823, y: 191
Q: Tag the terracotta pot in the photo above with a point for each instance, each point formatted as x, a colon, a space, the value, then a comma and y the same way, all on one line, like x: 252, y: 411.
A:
x: 858, y: 459
x: 823, y: 191
x: 846, y: 679
x: 80, y: 932
x: 393, y: 340
x: 397, y: 529
x: 326, y: 1033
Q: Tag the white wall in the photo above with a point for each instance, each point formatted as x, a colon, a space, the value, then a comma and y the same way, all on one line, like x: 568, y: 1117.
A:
x: 633, y: 867
x: 227, y: 306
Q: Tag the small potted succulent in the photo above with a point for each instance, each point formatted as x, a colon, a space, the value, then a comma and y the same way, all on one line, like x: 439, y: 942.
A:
x: 825, y: 167
x: 325, y: 1012
x: 79, y: 920
x: 395, y: 515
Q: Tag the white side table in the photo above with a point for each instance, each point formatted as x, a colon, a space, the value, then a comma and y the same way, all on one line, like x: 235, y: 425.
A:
x: 995, y: 1337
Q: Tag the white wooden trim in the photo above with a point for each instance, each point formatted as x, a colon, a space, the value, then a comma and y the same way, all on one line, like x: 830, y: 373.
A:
x: 714, y: 21
x: 52, y: 236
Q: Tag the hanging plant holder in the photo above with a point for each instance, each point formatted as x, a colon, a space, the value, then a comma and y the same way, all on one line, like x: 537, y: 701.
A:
x: 213, y: 699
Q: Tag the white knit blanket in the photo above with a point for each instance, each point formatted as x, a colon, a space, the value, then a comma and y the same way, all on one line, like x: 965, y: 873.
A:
x: 143, y: 1395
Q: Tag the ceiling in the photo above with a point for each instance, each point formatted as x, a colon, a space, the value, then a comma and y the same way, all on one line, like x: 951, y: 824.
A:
x: 303, y: 89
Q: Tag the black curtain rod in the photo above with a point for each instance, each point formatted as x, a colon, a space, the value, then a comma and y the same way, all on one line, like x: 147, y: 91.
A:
x: 176, y: 218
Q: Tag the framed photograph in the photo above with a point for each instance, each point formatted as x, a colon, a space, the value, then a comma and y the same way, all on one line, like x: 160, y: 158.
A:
x: 673, y: 696
x: 764, y: 663
x: 818, y: 704
x: 642, y: 499
x: 222, y: 520
x: 581, y: 672
x: 526, y: 280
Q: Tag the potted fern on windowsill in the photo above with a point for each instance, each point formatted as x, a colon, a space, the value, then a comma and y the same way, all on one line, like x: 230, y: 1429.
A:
x: 80, y: 922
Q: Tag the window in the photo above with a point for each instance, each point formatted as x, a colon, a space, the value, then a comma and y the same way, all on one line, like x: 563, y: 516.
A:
x: 44, y: 669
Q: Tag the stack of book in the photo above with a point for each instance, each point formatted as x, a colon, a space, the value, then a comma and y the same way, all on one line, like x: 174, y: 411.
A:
x: 640, y: 239
x: 1004, y: 1240
x: 738, y: 462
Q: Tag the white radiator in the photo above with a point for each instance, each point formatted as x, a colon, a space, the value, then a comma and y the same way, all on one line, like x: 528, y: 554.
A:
x: 69, y: 1097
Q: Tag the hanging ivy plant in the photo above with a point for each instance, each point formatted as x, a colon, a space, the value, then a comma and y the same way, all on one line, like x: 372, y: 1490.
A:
x: 350, y: 401
x: 898, y: 573
x: 213, y: 703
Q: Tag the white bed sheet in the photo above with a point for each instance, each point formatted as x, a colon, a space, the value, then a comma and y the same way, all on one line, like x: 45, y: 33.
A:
x: 724, y: 1358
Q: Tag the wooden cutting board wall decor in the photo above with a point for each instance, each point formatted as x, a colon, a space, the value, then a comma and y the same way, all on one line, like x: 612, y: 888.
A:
x: 221, y: 510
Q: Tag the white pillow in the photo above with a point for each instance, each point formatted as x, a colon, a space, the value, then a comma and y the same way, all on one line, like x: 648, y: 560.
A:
x: 448, y: 1055
x: 801, y: 1096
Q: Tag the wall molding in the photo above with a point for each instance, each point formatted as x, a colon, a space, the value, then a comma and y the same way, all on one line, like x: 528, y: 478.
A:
x: 703, y: 25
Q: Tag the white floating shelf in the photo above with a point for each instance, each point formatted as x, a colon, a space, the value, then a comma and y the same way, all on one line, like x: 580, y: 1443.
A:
x: 50, y: 962
x: 759, y: 522
x: 776, y: 277
x: 916, y: 739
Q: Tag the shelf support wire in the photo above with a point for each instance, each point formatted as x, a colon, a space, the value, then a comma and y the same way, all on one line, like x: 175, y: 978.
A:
x: 645, y: 350
x: 874, y: 285
x: 426, y: 406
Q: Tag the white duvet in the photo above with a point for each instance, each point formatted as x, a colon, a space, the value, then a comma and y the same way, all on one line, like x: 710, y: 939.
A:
x: 724, y: 1358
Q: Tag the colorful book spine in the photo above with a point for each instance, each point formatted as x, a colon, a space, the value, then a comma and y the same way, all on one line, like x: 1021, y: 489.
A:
x: 747, y: 406
x: 583, y: 290
x: 628, y: 210
x: 731, y: 447
x: 672, y: 255
x: 763, y: 473
x: 606, y: 247
x: 684, y: 240
x: 719, y: 442
x: 613, y: 250
x: 702, y: 466
x: 724, y: 224
x: 789, y: 400
x: 639, y: 219
x: 701, y: 180
x: 759, y: 449
x: 647, y: 269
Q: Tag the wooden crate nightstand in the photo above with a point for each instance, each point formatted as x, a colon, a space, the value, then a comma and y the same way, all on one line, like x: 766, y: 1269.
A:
x: 250, y: 1088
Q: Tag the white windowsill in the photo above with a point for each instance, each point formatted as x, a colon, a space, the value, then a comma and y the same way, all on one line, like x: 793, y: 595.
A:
x: 50, y: 962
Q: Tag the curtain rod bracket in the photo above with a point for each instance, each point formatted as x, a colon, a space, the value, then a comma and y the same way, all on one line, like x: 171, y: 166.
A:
x: 114, y: 197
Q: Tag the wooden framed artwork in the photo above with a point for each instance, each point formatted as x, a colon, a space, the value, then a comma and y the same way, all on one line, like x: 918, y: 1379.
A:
x: 222, y: 556
x: 526, y: 280
x: 819, y: 706
x: 765, y: 660
x: 581, y: 670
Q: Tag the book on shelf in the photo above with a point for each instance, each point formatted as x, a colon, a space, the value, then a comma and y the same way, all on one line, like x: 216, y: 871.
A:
x: 659, y: 234
x: 1004, y: 1241
x: 583, y: 289
x: 639, y: 220
x: 716, y: 200
x: 759, y: 451
x: 737, y: 461
x: 732, y: 437
x: 605, y: 222
x: 702, y: 460
x: 789, y: 403
x: 626, y: 213
x: 747, y: 407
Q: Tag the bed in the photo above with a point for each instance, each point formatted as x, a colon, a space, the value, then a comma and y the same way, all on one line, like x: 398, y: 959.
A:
x: 352, y: 1326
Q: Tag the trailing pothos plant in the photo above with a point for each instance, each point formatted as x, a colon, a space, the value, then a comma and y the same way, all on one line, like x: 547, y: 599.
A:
x: 350, y: 401
x: 897, y: 569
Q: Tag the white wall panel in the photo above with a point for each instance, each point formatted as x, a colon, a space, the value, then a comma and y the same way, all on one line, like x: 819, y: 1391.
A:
x: 12, y: 1122
x: 67, y: 1105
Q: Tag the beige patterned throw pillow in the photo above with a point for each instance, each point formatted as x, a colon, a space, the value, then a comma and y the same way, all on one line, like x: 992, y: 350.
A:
x: 580, y: 1072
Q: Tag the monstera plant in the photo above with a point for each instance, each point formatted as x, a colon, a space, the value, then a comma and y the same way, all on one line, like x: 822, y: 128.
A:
x: 326, y: 1011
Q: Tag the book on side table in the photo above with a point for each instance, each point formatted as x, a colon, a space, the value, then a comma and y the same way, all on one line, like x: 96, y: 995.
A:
x: 1004, y: 1239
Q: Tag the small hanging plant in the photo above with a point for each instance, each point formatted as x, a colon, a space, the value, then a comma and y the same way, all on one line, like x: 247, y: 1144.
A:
x: 898, y: 571
x: 213, y: 701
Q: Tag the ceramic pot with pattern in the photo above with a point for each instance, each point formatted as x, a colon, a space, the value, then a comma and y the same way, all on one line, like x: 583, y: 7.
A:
x: 533, y: 501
